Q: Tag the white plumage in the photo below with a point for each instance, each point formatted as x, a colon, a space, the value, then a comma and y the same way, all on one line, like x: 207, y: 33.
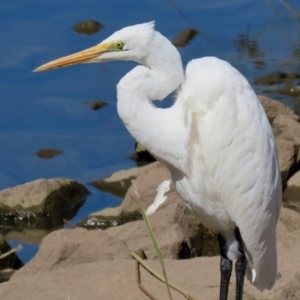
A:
x: 216, y: 139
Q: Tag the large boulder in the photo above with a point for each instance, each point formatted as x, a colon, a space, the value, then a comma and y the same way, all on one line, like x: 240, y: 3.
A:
x: 41, y: 203
x: 65, y: 248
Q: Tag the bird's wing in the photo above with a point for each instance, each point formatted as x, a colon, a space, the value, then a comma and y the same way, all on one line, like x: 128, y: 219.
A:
x: 231, y: 155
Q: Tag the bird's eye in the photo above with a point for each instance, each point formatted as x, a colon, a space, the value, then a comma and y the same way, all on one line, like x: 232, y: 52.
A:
x: 120, y: 45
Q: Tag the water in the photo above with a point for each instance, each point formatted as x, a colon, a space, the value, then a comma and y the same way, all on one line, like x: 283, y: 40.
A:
x: 44, y: 110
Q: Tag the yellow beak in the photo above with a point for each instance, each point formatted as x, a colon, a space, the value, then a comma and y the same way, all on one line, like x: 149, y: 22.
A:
x: 87, y: 55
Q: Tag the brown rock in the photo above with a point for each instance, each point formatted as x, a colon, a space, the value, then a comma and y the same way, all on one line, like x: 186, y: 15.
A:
x: 88, y: 27
x: 172, y: 222
x: 169, y: 235
x: 147, y: 184
x: 41, y: 203
x: 273, y: 108
x: 287, y: 129
x: 65, y: 248
x: 184, y: 37
x: 119, y: 182
x: 291, y: 291
x: 287, y: 135
x: 292, y: 192
x: 48, y: 153
x: 288, y: 153
x: 115, y: 279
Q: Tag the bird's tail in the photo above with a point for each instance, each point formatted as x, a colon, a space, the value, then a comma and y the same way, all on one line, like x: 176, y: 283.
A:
x: 262, y: 262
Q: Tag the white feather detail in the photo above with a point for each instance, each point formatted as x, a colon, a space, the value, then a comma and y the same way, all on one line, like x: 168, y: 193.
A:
x: 160, y: 197
x: 253, y: 275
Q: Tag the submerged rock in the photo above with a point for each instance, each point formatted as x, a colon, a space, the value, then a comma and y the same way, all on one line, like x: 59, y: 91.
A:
x: 41, y: 203
x: 95, y: 105
x: 184, y: 37
x: 87, y: 27
x: 48, y: 153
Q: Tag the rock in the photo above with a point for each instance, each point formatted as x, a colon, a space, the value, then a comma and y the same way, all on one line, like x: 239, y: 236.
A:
x: 147, y: 184
x: 288, y: 156
x: 184, y: 37
x: 178, y: 231
x: 29, y: 235
x: 287, y: 136
x: 48, y: 153
x: 141, y: 155
x: 273, y: 108
x: 95, y: 105
x: 119, y: 182
x: 65, y: 248
x: 87, y: 27
x: 292, y: 192
x: 287, y: 129
x: 274, y: 78
x: 11, y: 261
x: 168, y: 234
x: 6, y: 274
x: 103, y: 219
x: 115, y: 279
x: 8, y: 264
x: 291, y: 291
x: 168, y: 216
x: 41, y: 203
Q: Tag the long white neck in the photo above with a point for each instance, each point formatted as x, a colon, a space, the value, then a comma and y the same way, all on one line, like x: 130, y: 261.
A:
x: 161, y: 131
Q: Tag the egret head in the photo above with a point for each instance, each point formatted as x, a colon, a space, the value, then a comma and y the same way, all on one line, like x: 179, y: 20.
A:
x: 129, y: 43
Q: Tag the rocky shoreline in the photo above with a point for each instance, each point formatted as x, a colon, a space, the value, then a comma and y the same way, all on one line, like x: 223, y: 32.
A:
x: 94, y: 264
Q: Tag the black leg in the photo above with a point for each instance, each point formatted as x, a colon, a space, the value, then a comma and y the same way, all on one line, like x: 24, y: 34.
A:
x: 225, y: 267
x: 240, y: 266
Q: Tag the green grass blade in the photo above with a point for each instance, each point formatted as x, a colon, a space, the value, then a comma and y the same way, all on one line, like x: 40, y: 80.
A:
x: 150, y: 230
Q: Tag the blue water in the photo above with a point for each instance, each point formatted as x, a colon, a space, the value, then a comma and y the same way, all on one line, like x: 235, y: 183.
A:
x: 44, y: 110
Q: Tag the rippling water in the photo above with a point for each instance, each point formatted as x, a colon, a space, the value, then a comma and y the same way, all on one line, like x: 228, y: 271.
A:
x: 45, y: 110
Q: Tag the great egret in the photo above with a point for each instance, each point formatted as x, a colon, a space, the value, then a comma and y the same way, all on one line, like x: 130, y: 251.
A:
x: 216, y: 141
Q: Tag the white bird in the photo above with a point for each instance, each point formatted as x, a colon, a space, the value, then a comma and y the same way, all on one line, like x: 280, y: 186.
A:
x: 215, y: 140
